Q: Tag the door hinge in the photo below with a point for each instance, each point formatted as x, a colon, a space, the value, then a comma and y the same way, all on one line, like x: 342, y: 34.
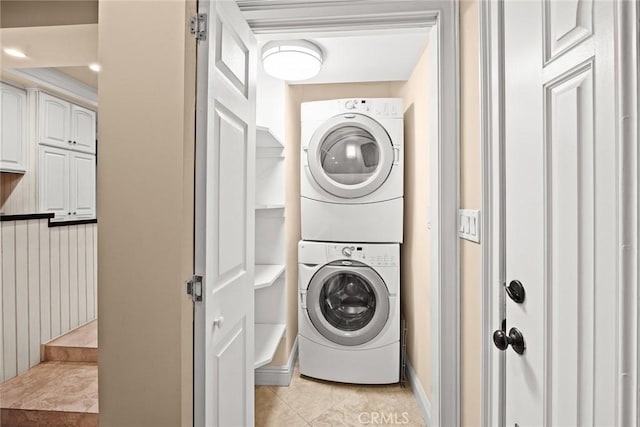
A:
x: 194, y: 288
x: 198, y: 26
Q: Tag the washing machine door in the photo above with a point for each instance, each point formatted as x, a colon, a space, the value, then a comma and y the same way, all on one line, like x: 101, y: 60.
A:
x: 348, y: 304
x: 350, y: 156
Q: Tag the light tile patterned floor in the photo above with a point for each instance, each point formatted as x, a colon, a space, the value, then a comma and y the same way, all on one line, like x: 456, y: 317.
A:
x: 310, y: 402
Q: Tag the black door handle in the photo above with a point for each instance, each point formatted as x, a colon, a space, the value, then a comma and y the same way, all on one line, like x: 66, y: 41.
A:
x: 501, y: 340
x: 515, y: 290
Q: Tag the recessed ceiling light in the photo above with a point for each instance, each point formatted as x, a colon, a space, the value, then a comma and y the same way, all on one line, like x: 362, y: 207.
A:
x: 291, y: 59
x: 95, y: 67
x: 15, y: 52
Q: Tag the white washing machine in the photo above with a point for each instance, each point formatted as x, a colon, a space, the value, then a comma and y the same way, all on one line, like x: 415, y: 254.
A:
x: 352, y: 177
x: 349, y: 312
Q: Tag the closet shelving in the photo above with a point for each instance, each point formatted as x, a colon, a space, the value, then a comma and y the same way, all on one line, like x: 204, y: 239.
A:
x: 267, y: 339
x: 269, y: 270
x: 267, y: 274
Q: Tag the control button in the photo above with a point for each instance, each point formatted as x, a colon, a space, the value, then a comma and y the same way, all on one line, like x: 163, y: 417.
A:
x: 347, y: 251
x: 350, y: 105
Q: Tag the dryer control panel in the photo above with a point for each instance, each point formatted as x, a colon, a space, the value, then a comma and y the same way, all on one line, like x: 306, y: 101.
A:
x: 373, y: 255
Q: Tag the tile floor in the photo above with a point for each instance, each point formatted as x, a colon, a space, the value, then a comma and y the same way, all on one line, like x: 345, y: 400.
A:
x: 310, y: 402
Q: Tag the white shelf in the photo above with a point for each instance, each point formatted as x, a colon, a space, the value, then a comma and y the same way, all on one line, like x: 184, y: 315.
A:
x: 270, y: 206
x: 266, y: 139
x: 267, y: 338
x: 267, y: 274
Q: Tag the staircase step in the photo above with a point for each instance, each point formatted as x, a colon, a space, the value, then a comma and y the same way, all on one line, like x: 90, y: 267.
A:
x: 28, y: 418
x: 79, y: 345
x: 51, y: 394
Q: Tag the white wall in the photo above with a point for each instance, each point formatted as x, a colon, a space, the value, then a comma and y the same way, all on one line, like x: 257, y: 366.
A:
x: 49, y: 286
x: 270, y: 103
x: 145, y: 210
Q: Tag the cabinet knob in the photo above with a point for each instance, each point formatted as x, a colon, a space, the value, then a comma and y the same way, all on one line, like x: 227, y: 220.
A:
x: 70, y: 142
x: 74, y: 213
x: 75, y: 142
x: 68, y: 213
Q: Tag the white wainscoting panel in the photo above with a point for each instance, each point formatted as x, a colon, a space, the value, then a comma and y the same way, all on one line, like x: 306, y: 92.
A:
x: 48, y: 282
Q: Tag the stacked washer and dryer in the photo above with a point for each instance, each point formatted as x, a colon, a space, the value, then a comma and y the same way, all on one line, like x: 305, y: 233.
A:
x: 352, y: 222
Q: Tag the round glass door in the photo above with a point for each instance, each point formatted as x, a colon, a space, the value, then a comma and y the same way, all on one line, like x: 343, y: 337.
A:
x: 350, y: 156
x: 347, y: 301
x: 348, y: 305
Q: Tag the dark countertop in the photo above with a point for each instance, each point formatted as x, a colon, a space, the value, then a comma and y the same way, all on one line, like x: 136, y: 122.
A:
x: 49, y: 216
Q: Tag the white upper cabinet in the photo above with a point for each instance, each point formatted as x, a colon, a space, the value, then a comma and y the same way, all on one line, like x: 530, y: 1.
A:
x: 54, y: 181
x: 13, y: 130
x: 83, y: 129
x: 67, y: 183
x: 54, y: 117
x: 65, y: 125
x: 82, y: 188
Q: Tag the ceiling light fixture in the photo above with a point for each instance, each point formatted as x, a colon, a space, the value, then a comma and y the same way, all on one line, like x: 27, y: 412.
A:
x: 95, y: 67
x: 291, y: 60
x: 14, y: 52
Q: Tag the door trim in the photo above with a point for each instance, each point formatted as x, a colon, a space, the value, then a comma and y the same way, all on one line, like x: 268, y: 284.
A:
x: 445, y: 196
x: 492, y: 146
x: 627, y: 58
x: 491, y: 67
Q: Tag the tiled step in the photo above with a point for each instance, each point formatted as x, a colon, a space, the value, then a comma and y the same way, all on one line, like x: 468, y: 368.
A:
x: 79, y: 345
x: 51, y: 394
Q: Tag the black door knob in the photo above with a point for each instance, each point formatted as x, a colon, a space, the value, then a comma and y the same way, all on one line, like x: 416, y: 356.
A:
x: 501, y: 340
x: 515, y: 290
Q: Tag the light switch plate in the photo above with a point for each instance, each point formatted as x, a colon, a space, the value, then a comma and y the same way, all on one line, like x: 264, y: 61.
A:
x: 469, y: 224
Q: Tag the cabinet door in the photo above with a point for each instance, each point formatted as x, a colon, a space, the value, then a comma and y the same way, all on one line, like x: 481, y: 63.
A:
x: 83, y: 129
x: 54, y: 115
x: 54, y: 181
x: 13, y: 129
x: 83, y: 185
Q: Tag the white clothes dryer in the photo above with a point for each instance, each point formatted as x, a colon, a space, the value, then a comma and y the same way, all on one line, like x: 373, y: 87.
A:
x: 352, y: 170
x: 349, y: 312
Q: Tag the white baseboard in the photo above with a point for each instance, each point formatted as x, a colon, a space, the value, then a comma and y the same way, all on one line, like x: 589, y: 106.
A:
x: 421, y: 397
x: 278, y: 375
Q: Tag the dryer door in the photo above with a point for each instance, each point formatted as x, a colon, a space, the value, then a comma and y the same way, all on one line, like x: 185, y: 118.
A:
x: 350, y: 156
x: 348, y: 304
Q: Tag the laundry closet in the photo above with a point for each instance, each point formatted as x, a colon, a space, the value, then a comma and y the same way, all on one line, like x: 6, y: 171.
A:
x: 320, y: 227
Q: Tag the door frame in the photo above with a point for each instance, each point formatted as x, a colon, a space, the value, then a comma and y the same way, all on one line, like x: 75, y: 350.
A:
x: 491, y: 64
x: 442, y: 17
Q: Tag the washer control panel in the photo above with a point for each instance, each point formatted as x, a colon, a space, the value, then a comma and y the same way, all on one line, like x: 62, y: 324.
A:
x: 375, y: 107
x: 367, y: 254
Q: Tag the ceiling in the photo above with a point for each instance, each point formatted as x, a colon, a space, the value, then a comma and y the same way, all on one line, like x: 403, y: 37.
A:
x: 362, y: 40
x: 350, y: 53
x: 384, y: 55
x: 45, y: 13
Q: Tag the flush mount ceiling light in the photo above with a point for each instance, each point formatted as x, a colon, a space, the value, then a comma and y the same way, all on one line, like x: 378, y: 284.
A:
x: 14, y: 52
x: 95, y: 67
x: 291, y: 59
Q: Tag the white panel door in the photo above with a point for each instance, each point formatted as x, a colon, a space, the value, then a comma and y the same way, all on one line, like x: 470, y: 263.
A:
x: 13, y: 129
x: 561, y: 214
x: 224, y: 233
x: 82, y: 190
x: 54, y: 178
x: 54, y: 114
x: 83, y: 129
